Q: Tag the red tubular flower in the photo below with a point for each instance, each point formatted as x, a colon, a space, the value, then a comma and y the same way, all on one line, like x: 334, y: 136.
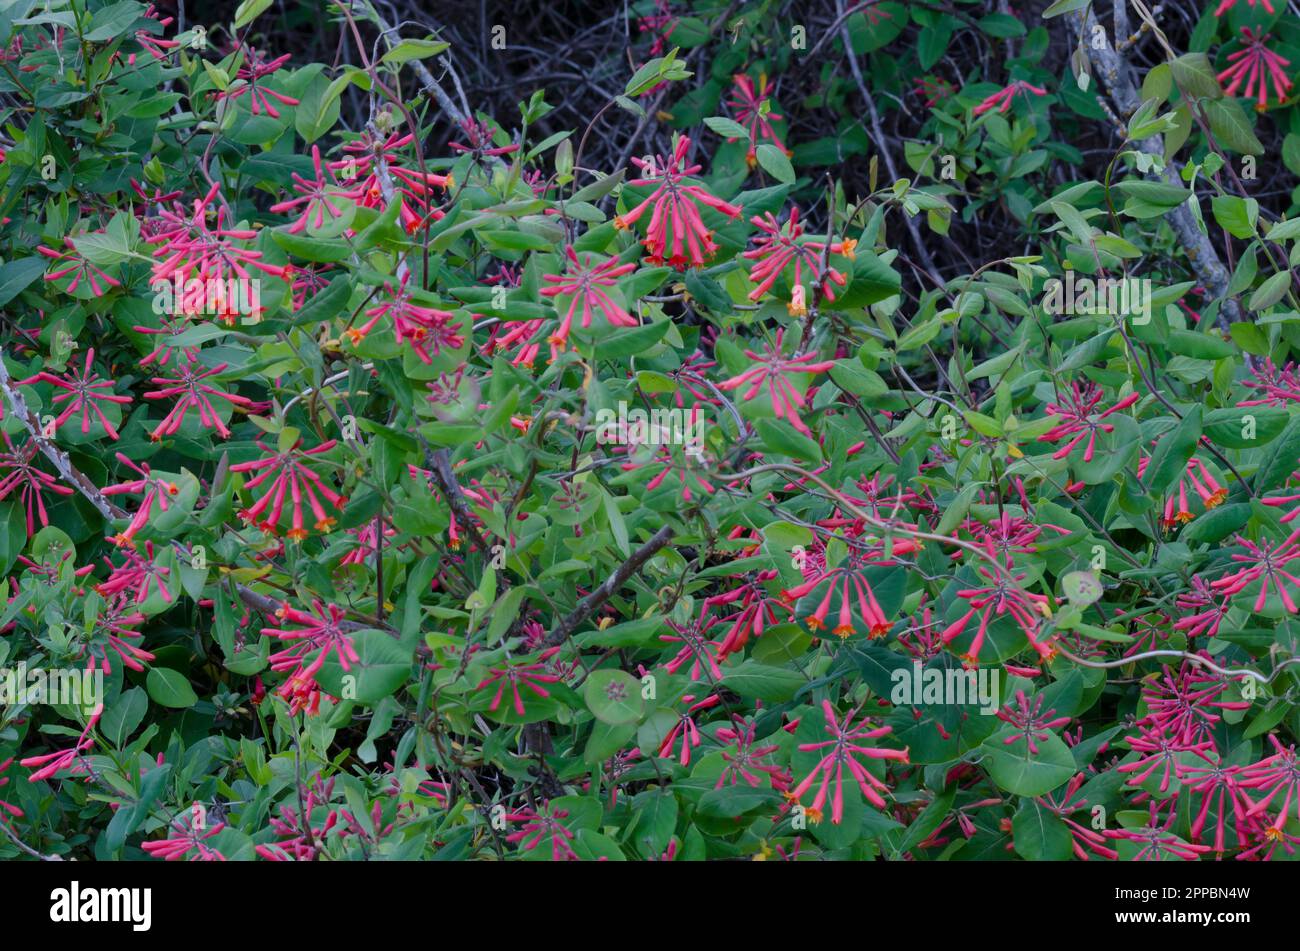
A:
x: 1182, y: 704
x: 428, y: 330
x: 531, y: 675
x: 1226, y: 5
x: 586, y: 284
x: 193, y: 394
x: 321, y: 630
x: 1076, y: 414
x: 19, y: 474
x: 773, y: 371
x: 1148, y: 631
x: 138, y: 574
x: 1210, y: 609
x: 82, y: 392
x: 779, y: 246
x: 300, y: 838
x: 933, y: 90
x: 1002, y: 595
x: 1277, y: 775
x: 155, y: 491
x: 1203, y: 485
x: 192, y: 250
x: 287, y: 471
x: 1007, y: 535
x: 526, y: 335
x: 359, y: 170
x: 744, y: 757
x: 883, y: 496
x: 1270, y: 835
x: 163, y: 352
x: 1218, y: 788
x: 676, y: 234
x: 686, y: 469
x: 5, y: 807
x: 702, y: 654
x: 756, y: 610
x: 69, y: 759
x: 1278, y: 387
x: 659, y: 24
x: 308, y: 281
x: 1031, y: 722
x: 685, y: 731
x: 1158, y: 843
x: 480, y: 140
x: 367, y: 542
x: 1160, y: 751
x: 1256, y: 65
x: 539, y: 826
x: 184, y: 840
x: 72, y: 262
x: 846, y: 583
x: 1081, y: 836
x: 1266, y: 563
x: 320, y: 201
x: 154, y: 44
x: 1002, y: 99
x: 252, y: 72
x: 752, y: 108
x: 113, y: 631
x: 846, y: 748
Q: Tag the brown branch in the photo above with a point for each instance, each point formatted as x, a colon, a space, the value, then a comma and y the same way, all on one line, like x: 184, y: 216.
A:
x: 439, y: 462
x: 58, y: 458
x: 615, y: 581
x: 1117, y: 76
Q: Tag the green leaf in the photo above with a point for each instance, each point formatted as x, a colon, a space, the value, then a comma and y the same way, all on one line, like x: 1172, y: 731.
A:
x: 170, y: 688
x: 774, y: 684
x: 1039, y: 834
x: 383, y: 665
x: 407, y: 50
x: 654, y: 821
x: 1018, y: 771
x: 1236, y: 215
x: 326, y: 305
x: 112, y: 21
x: 1271, y: 291
x: 1195, y: 76
x: 1061, y: 7
x: 782, y: 438
x: 1169, y: 461
x: 16, y: 275
x: 729, y: 802
x: 1081, y: 588
x: 613, y: 696
x: 250, y: 10
x: 1230, y: 126
x: 775, y: 163
x: 123, y: 715
x: 1001, y: 25
x: 1279, y: 459
x: 1199, y: 346
x: 852, y: 377
x: 727, y: 128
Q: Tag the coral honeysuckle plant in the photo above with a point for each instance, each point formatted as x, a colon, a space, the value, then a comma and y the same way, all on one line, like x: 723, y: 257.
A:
x: 827, y: 431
